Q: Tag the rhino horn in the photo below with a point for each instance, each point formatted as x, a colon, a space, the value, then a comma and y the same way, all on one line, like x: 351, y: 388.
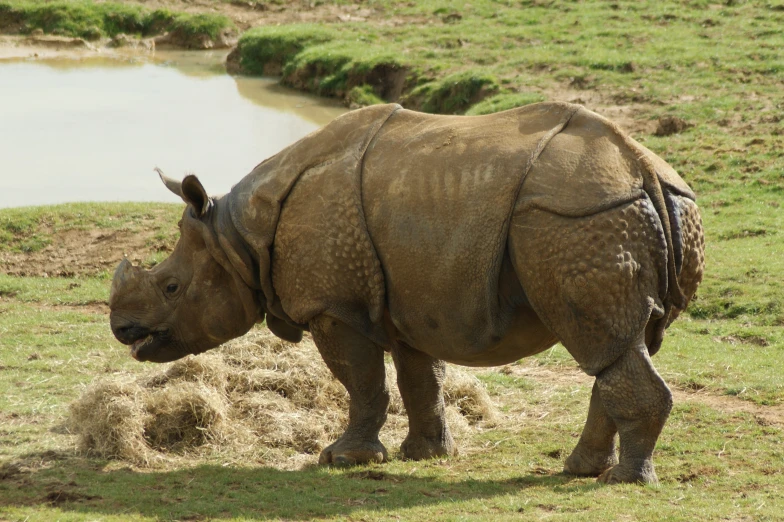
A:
x: 125, y: 274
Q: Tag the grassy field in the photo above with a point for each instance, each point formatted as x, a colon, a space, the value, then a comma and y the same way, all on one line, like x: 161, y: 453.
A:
x: 717, y: 66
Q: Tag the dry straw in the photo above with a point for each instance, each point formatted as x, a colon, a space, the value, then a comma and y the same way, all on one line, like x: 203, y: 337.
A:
x: 256, y: 399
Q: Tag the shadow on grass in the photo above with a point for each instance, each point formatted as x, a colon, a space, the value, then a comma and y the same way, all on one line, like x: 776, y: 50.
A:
x: 79, y: 485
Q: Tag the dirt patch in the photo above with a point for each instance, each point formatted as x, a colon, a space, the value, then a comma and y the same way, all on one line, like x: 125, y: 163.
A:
x: 9, y: 470
x: 90, y: 308
x: 669, y: 125
x: 181, y: 39
x: 756, y: 340
x: 59, y: 497
x: 83, y: 253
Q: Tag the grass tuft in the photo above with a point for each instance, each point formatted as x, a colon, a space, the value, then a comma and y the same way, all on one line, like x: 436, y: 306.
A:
x: 266, y: 50
x: 503, y: 102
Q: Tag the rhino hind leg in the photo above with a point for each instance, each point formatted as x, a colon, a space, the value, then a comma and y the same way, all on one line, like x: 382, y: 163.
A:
x: 639, y: 402
x: 595, y: 452
x: 420, y: 379
x: 596, y: 283
x: 359, y: 365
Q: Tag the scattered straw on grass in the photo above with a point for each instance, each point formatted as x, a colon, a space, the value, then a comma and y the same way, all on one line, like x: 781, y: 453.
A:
x: 257, y: 399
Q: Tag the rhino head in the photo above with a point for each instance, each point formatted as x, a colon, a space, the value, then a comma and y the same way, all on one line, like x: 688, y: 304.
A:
x: 194, y: 300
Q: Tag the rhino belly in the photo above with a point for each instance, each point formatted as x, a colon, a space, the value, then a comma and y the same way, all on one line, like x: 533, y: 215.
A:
x: 437, y: 193
x: 524, y: 336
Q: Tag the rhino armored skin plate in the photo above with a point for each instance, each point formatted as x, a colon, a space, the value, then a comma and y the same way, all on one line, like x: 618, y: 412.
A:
x: 472, y: 240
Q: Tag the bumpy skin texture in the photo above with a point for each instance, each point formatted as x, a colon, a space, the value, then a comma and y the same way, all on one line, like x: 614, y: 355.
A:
x: 341, y: 270
x: 594, y: 281
x: 474, y: 240
x: 693, y: 241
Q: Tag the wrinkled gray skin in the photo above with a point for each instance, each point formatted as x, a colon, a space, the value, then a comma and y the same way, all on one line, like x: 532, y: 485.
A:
x: 377, y: 238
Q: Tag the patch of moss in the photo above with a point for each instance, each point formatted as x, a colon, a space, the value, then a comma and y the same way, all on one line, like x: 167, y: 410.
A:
x: 19, y: 231
x: 82, y: 19
x: 266, y: 50
x: 159, y: 21
x: 333, y: 69
x: 193, y: 25
x: 455, y: 93
x: 362, y: 96
x: 503, y: 102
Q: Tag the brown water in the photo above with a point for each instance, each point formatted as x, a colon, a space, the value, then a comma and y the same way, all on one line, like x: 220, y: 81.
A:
x: 93, y: 129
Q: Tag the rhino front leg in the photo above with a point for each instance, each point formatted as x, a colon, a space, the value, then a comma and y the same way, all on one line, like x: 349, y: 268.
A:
x: 420, y: 379
x: 595, y: 452
x: 639, y: 402
x: 359, y: 365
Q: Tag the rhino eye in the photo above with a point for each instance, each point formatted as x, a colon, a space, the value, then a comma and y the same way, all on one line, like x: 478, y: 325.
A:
x: 172, y: 288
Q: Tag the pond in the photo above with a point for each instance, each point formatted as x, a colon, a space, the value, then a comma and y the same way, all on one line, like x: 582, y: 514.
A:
x: 93, y: 128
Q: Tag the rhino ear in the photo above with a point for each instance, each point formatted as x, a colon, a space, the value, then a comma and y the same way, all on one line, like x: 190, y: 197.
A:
x: 171, y: 184
x: 190, y: 190
x: 194, y: 194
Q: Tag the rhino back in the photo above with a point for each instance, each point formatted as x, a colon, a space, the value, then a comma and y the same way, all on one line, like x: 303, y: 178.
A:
x: 590, y: 166
x: 438, y: 193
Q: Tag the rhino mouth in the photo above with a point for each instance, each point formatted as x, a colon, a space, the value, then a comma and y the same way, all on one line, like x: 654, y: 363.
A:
x: 149, y: 346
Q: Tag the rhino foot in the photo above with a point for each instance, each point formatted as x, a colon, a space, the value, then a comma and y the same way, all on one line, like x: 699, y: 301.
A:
x: 419, y: 447
x: 631, y: 472
x: 589, y: 464
x: 350, y: 453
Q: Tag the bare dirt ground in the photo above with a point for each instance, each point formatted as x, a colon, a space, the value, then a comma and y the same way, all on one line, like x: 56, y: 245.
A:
x: 83, y: 253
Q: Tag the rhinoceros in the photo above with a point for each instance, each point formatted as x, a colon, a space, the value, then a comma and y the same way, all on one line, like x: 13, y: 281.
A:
x: 474, y: 240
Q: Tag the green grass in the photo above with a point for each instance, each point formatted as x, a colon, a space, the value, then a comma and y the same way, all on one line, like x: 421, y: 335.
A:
x: 502, y: 102
x: 274, y: 46
x: 29, y: 229
x: 655, y: 52
x: 90, y: 20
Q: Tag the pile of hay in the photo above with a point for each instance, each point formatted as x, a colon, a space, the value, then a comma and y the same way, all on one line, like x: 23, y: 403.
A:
x: 256, y: 399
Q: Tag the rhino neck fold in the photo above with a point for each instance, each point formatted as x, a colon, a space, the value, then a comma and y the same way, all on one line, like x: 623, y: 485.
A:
x: 239, y: 254
x: 243, y: 256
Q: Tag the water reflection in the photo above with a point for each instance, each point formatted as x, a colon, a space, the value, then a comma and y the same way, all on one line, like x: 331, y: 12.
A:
x: 93, y: 129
